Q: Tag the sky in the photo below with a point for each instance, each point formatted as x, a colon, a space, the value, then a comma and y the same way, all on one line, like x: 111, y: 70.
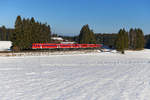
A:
x: 66, y: 17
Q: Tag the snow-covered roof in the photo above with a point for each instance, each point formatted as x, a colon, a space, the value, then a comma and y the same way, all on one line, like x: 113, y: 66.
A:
x: 67, y: 42
x: 57, y: 38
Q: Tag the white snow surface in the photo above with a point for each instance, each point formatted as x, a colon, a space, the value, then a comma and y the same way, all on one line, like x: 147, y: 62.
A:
x: 5, y: 45
x: 91, y: 76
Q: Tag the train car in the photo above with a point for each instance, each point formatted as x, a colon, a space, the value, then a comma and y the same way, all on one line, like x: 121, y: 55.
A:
x: 63, y: 46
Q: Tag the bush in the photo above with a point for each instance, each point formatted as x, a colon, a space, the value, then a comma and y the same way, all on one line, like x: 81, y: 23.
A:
x: 15, y: 49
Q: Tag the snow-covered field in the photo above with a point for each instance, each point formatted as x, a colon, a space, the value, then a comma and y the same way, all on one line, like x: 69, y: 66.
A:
x: 91, y: 76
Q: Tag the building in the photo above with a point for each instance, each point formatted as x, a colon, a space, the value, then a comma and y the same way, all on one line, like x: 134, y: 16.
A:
x: 57, y: 39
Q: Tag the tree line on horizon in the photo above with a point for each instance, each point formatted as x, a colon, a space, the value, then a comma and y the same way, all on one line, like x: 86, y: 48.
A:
x: 5, y: 33
x: 28, y: 31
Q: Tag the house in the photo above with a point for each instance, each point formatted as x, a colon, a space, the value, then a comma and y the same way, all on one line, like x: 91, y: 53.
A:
x: 57, y: 39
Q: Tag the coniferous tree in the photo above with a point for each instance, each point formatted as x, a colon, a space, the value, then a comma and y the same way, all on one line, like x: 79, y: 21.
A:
x: 16, y: 39
x: 86, y: 35
x: 140, y: 39
x: 27, y: 31
x: 4, y: 33
x: 136, y: 38
x: 133, y: 38
x: 9, y: 34
x: 92, y: 37
x: 126, y: 39
x: 122, y: 41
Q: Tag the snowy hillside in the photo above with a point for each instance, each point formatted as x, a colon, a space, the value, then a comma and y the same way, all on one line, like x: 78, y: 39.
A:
x: 91, y: 76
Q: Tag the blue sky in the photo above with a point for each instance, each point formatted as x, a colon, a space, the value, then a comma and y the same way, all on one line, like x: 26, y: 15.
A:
x: 68, y: 16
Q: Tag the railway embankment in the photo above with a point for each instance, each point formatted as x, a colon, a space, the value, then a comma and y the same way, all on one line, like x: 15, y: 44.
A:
x: 46, y: 53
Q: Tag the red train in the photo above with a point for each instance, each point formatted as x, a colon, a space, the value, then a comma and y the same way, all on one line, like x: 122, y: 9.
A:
x: 54, y: 46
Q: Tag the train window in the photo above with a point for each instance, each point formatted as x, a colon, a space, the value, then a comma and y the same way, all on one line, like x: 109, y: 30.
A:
x: 51, y: 45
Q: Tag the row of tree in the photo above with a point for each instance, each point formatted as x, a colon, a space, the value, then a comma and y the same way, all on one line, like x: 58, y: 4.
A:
x: 28, y: 31
x: 134, y: 39
x: 5, y: 34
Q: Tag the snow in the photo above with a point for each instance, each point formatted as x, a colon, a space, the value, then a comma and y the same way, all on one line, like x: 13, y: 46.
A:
x: 5, y: 45
x: 90, y: 76
x: 57, y: 38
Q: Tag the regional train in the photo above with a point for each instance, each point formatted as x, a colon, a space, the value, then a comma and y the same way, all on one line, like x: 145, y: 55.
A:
x: 63, y: 46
